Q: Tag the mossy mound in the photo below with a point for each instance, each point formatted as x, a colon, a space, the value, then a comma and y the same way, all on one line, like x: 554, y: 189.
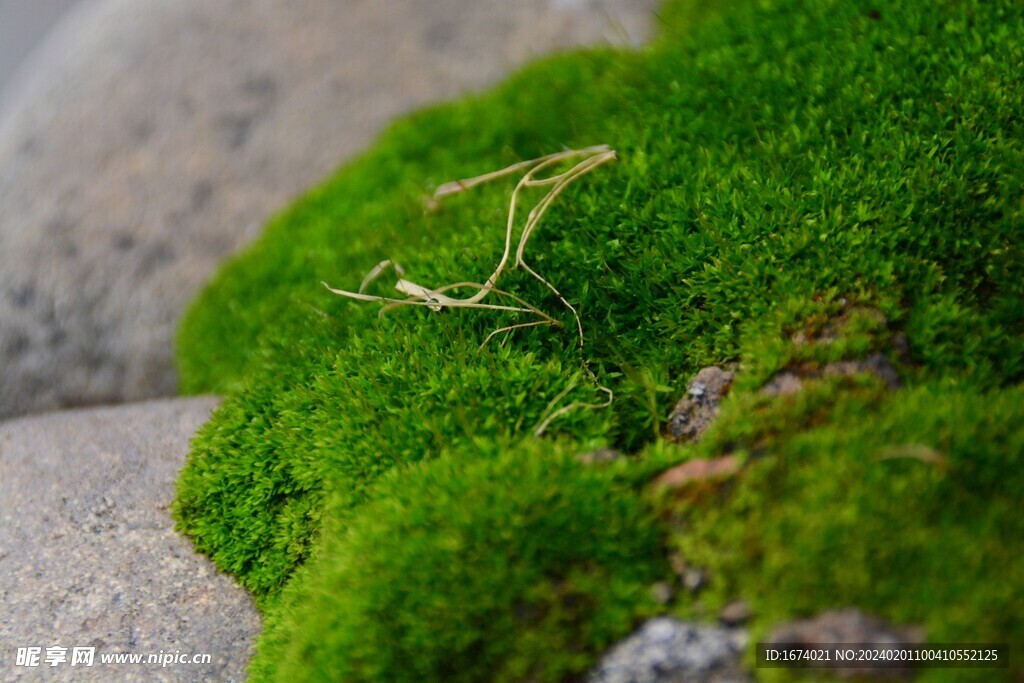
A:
x: 914, y: 514
x: 799, y: 184
x: 453, y: 556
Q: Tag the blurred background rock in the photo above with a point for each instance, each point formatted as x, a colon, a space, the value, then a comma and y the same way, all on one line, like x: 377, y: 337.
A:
x: 23, y: 23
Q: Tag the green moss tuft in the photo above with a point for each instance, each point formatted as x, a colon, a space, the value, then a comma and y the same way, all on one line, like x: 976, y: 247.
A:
x: 515, y: 564
x: 357, y: 414
x: 912, y: 514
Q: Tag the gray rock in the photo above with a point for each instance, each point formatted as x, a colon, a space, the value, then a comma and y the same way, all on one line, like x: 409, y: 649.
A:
x: 785, y: 383
x: 146, y: 140
x: 89, y: 557
x: 666, y: 650
x: 736, y: 613
x: 791, y: 381
x: 695, y: 412
x: 849, y: 626
x: 876, y: 364
x: 23, y: 25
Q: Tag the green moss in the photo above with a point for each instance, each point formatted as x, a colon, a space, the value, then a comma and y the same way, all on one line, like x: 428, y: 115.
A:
x: 359, y: 412
x: 799, y: 183
x: 913, y: 514
x: 515, y: 564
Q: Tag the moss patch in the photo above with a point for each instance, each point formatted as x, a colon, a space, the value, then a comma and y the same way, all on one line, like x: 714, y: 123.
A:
x: 799, y: 184
x: 901, y: 515
x: 516, y: 564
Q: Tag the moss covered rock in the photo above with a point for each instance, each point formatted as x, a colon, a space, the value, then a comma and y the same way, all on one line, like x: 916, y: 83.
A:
x: 823, y: 192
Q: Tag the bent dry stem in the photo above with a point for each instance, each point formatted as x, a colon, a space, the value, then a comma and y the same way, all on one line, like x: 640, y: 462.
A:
x: 436, y: 299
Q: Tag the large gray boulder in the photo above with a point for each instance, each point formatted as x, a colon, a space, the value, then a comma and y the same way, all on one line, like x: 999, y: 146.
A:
x: 148, y: 139
x: 22, y: 24
x: 89, y: 557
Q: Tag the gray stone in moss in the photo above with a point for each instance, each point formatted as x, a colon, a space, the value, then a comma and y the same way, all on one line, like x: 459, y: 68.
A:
x: 848, y: 626
x: 791, y: 381
x: 697, y: 410
x: 666, y: 650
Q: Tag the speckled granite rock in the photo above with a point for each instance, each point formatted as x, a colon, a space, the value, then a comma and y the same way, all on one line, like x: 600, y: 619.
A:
x: 148, y: 139
x: 88, y: 555
x: 666, y: 650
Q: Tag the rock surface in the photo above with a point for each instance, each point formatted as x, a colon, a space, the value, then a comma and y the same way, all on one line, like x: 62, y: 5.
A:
x: 667, y: 650
x: 791, y: 381
x: 89, y: 557
x: 22, y: 25
x: 850, y: 626
x: 698, y: 470
x: 697, y: 410
x: 145, y: 141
